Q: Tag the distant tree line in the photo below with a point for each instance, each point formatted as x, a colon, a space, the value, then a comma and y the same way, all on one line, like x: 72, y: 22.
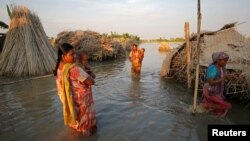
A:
x: 178, y: 39
x: 124, y: 36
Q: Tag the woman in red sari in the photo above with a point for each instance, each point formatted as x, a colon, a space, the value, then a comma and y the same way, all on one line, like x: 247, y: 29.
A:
x: 74, y: 90
x: 213, y: 89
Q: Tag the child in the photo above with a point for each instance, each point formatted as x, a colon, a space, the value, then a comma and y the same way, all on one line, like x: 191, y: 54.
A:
x: 141, y: 54
x: 85, y: 65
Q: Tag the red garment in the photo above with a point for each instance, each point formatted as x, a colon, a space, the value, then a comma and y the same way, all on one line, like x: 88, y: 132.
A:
x: 214, y: 102
x: 82, y: 97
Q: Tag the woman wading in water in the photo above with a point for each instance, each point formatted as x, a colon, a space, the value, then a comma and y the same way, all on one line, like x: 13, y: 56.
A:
x: 74, y: 90
x: 213, y: 89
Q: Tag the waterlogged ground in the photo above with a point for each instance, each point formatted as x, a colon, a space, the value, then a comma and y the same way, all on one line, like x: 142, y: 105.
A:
x: 141, y: 109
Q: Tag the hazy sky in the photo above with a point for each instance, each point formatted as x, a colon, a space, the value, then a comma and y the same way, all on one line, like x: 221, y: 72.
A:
x: 145, y: 18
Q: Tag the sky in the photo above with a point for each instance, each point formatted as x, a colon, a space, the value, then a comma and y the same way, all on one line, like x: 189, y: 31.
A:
x: 148, y: 19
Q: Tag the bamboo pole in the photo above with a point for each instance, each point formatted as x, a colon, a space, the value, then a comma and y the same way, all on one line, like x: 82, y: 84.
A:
x: 188, y: 52
x: 198, y: 57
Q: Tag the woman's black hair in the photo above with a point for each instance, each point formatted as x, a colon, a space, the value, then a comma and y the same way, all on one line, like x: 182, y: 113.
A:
x: 63, y: 49
x: 135, y: 45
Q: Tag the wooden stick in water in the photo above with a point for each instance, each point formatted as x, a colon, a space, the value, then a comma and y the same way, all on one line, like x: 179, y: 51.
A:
x: 188, y: 52
x: 198, y: 58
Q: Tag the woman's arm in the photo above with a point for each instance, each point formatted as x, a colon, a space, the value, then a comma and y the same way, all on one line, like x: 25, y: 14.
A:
x: 92, y: 74
x: 89, y: 81
x: 212, y: 81
x: 89, y: 71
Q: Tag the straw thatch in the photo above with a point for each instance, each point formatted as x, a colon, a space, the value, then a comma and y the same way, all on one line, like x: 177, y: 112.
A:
x: 99, y: 47
x: 164, y: 47
x: 127, y: 42
x: 26, y: 51
x: 226, y: 39
x: 165, y: 70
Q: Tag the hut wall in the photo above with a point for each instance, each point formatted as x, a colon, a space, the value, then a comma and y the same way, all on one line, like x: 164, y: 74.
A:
x: 178, y: 62
x: 165, y: 69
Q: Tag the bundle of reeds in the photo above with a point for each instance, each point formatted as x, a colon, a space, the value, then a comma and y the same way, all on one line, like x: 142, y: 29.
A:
x: 164, y: 47
x: 26, y: 51
x: 99, y: 47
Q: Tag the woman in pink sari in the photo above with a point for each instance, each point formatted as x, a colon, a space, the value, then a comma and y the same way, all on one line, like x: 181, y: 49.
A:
x: 74, y: 90
x: 213, y: 89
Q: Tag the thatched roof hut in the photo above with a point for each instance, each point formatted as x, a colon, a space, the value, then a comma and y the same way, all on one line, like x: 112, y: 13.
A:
x: 99, y: 47
x: 227, y: 39
x: 26, y: 51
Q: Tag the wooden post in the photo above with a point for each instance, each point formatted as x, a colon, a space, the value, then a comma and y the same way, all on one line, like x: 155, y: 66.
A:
x: 198, y: 57
x: 188, y: 53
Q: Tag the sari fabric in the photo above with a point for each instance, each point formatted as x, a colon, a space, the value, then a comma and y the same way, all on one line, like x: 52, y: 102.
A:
x: 213, y: 95
x: 81, y: 94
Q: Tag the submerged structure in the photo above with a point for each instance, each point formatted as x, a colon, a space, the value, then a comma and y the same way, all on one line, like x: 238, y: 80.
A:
x: 227, y: 39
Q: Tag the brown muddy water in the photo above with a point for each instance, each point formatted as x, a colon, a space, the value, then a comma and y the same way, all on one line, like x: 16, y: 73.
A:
x: 145, y: 109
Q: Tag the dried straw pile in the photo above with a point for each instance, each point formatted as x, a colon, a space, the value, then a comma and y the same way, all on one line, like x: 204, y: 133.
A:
x: 164, y: 47
x: 99, y: 47
x: 226, y: 39
x: 26, y: 51
x: 127, y: 42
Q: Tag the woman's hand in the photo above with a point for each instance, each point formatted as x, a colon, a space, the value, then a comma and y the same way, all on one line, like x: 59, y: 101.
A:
x: 212, y: 81
x: 87, y: 67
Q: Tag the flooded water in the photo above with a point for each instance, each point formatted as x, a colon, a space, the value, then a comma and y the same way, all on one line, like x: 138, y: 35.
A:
x: 145, y: 109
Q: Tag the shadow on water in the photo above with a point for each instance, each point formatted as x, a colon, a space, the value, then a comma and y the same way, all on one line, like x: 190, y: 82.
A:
x: 128, y: 109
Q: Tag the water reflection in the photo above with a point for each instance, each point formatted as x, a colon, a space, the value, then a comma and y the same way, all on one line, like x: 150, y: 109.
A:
x: 135, y: 90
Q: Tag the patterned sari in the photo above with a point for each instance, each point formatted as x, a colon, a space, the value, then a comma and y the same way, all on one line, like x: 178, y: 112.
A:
x: 136, y: 61
x: 81, y: 95
x: 213, y: 95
